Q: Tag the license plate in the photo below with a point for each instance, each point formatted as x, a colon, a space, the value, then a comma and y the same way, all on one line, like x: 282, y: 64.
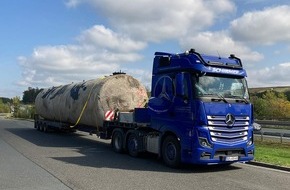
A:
x: 232, y: 158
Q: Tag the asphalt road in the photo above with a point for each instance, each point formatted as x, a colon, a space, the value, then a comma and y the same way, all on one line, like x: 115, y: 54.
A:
x: 30, y: 159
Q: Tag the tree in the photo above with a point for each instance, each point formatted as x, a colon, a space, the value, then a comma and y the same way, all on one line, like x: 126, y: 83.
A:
x: 4, y: 107
x: 29, y: 95
x: 5, y: 100
x: 287, y: 94
x: 260, y: 107
x: 16, y: 105
x: 272, y: 105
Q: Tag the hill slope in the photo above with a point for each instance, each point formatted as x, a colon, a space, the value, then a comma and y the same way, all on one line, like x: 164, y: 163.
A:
x: 263, y: 89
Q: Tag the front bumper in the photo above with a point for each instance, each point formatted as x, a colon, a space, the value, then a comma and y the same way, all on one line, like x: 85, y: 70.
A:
x: 220, y: 154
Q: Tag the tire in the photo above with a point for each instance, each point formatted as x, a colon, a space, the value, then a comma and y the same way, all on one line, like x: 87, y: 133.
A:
x: 45, y: 128
x: 117, y: 141
x: 38, y: 126
x: 171, y: 152
x: 132, y: 145
x: 41, y: 128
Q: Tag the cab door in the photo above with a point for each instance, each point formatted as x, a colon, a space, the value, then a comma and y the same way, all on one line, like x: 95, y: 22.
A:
x: 182, y: 108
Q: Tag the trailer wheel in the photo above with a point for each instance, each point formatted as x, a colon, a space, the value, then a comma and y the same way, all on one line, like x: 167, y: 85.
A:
x: 171, y: 152
x: 132, y: 145
x: 117, y: 141
x: 41, y: 127
x: 45, y: 128
x: 38, y: 126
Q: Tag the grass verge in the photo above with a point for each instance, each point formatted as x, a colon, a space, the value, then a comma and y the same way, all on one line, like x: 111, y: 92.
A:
x: 273, y: 152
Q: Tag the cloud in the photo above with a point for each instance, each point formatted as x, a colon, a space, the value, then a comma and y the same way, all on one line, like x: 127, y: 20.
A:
x: 155, y: 21
x: 99, y: 52
x: 134, y: 26
x: 268, y: 26
x: 220, y: 43
x: 270, y: 76
x: 72, y: 3
x: 106, y: 38
x: 145, y: 76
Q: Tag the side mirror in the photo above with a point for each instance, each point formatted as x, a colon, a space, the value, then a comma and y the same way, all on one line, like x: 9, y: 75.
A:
x: 257, y: 127
x: 180, y: 91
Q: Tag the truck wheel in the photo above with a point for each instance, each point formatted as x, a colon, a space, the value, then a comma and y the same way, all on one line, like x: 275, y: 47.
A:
x: 171, y: 152
x: 117, y: 141
x: 132, y: 145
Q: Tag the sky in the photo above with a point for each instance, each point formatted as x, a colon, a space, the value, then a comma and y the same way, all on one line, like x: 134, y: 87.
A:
x: 55, y: 42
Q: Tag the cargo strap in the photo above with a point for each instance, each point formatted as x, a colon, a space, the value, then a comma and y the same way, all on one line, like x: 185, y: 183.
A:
x: 84, y: 107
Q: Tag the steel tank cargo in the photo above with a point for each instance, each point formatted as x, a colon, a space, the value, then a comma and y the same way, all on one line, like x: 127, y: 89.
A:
x: 89, y: 101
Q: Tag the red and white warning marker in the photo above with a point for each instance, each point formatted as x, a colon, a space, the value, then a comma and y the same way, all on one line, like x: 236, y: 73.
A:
x: 109, y: 115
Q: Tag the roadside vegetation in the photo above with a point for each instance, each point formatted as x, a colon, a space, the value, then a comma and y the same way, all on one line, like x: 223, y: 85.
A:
x: 271, y: 105
x: 273, y: 152
x: 4, y: 107
x: 18, y: 108
x: 21, y: 110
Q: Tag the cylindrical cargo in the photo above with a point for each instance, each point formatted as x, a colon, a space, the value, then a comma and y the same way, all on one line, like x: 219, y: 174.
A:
x: 65, y: 103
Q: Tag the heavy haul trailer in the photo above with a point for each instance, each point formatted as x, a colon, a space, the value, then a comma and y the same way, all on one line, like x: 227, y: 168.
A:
x: 199, y: 113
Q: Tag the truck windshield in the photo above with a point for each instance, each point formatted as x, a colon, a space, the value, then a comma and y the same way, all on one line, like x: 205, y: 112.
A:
x: 221, y: 87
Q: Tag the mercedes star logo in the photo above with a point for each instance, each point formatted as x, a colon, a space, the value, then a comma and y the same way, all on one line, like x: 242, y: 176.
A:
x: 230, y: 119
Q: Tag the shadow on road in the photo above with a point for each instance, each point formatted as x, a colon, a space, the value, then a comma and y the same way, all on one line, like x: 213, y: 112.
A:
x: 100, y: 154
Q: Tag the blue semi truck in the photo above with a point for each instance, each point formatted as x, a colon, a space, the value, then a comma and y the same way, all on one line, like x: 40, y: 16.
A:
x: 199, y: 113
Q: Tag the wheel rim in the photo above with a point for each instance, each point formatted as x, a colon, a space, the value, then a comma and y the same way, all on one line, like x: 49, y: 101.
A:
x: 171, y: 151
x: 132, y: 144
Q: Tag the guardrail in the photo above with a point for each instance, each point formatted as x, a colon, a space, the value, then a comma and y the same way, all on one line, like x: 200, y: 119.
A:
x: 280, y: 129
x: 274, y: 122
x: 4, y: 114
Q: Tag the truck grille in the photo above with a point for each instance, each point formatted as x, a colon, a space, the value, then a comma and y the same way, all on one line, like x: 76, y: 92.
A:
x: 221, y: 132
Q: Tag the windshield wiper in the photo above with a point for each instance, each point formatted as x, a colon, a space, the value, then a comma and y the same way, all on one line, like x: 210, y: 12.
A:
x: 243, y: 100
x: 220, y: 98
x: 240, y: 99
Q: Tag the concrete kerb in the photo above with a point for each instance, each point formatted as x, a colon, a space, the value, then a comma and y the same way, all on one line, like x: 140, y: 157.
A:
x: 266, y: 165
